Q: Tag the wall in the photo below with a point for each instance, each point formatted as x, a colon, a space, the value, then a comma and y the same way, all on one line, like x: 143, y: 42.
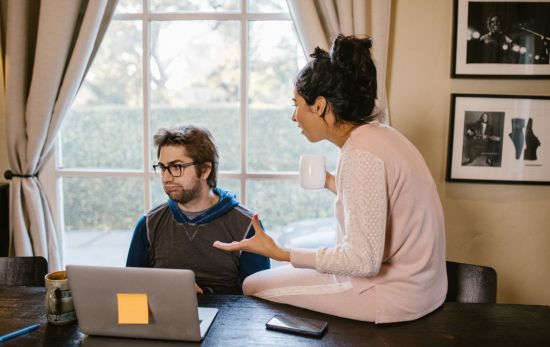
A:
x: 503, y: 226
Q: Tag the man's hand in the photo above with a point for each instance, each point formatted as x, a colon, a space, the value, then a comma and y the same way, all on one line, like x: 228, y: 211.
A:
x: 260, y: 243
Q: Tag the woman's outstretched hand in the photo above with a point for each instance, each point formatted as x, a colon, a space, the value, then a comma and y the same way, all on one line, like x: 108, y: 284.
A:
x: 260, y: 243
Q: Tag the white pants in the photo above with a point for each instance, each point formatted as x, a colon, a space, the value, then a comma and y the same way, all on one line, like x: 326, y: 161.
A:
x: 307, y: 288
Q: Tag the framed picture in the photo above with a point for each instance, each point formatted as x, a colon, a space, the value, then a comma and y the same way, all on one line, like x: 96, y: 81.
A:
x: 499, y: 139
x: 501, y: 39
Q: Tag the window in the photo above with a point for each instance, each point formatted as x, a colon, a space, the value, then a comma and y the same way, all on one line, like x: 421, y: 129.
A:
x: 226, y: 65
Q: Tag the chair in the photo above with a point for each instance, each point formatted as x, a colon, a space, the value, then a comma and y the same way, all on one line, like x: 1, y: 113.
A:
x: 4, y: 219
x: 471, y: 283
x: 23, y: 271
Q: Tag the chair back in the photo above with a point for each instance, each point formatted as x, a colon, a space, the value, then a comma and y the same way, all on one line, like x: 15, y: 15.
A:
x: 4, y: 219
x: 23, y: 271
x: 471, y: 283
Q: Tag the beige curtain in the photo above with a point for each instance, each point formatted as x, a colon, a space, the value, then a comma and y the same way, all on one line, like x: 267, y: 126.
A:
x: 319, y: 21
x: 47, y: 47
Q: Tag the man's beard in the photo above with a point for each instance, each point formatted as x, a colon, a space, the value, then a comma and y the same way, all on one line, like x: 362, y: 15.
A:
x: 185, y: 196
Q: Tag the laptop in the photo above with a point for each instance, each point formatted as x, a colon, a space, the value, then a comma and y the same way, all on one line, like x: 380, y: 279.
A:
x: 166, y: 299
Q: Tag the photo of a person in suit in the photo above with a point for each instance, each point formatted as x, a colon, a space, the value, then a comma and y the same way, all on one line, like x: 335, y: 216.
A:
x: 481, y: 137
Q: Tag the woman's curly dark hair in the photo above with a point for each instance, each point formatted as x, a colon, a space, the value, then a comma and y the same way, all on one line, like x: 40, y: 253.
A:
x: 345, y: 76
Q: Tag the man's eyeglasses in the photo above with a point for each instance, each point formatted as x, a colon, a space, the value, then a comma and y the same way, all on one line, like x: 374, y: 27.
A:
x: 175, y: 170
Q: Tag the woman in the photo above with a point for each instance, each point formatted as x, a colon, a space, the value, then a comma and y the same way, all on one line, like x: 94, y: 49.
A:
x: 388, y: 264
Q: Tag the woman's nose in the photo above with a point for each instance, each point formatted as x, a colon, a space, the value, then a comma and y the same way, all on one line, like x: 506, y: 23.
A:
x: 293, y: 116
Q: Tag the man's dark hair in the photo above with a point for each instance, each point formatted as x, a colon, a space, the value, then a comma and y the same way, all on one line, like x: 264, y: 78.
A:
x: 481, y: 117
x: 198, y: 143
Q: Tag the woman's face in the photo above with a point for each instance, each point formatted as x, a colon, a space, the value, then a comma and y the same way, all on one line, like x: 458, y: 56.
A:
x: 312, y: 124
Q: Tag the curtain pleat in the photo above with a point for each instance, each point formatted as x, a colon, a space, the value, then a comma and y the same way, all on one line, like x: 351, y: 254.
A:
x: 47, y: 47
x: 317, y: 22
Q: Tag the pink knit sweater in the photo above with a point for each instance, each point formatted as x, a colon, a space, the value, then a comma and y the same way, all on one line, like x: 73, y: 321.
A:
x: 391, y: 234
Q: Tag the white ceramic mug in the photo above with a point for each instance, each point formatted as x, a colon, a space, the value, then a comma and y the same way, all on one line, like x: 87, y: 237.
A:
x: 312, y: 171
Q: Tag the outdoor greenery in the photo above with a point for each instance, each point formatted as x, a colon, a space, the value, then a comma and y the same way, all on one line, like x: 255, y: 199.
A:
x: 195, y: 78
x: 112, y: 138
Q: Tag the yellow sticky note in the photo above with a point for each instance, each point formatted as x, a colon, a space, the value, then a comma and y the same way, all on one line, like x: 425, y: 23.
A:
x: 132, y: 308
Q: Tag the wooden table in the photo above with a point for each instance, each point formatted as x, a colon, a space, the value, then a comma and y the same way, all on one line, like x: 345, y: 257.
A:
x: 241, y: 322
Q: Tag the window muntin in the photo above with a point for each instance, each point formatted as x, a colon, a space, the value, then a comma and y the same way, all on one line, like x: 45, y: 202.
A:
x: 241, y: 90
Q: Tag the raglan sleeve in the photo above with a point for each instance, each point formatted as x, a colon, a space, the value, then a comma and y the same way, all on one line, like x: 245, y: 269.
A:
x: 138, y: 254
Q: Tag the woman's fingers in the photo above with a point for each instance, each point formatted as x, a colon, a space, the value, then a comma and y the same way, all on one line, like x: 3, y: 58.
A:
x: 233, y: 246
x: 256, y: 224
x: 245, y: 244
x: 260, y: 243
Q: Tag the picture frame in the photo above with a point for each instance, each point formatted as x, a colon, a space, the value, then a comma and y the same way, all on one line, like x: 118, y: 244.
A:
x: 501, y: 39
x: 513, y: 146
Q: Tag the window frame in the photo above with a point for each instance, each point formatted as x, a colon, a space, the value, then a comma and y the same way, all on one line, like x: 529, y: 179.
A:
x: 52, y: 174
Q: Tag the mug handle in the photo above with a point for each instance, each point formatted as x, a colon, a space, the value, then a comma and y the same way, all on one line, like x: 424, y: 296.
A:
x: 52, y: 299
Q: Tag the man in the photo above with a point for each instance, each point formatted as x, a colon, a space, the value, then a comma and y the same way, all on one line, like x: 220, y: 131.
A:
x: 498, y: 48
x: 180, y: 233
x: 480, y: 138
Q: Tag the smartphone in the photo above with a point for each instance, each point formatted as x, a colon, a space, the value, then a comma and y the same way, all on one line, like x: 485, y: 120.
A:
x: 297, y: 325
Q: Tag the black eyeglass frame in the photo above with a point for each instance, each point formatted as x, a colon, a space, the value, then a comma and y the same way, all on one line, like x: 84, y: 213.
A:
x: 161, y: 169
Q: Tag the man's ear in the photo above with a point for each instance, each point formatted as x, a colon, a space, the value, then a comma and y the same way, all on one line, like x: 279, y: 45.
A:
x: 206, y: 169
x: 320, y: 105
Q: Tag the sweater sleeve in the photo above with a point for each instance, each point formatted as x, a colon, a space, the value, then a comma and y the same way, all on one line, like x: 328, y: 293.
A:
x: 138, y: 255
x: 362, y: 186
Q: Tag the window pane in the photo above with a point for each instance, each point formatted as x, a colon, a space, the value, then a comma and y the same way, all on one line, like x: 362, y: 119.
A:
x: 267, y: 6
x: 232, y: 185
x: 280, y: 203
x: 195, y: 73
x: 195, y: 5
x: 103, y: 203
x: 94, y: 247
x: 104, y: 128
x: 100, y: 215
x: 129, y: 6
x: 275, y: 59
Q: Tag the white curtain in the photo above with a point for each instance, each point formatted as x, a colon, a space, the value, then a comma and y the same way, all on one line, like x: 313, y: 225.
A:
x: 319, y: 21
x: 47, y: 48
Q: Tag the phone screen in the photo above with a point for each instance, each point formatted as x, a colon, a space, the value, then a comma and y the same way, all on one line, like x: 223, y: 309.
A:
x: 297, y: 325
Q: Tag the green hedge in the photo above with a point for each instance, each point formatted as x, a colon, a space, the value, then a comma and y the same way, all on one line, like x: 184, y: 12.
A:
x: 112, y: 138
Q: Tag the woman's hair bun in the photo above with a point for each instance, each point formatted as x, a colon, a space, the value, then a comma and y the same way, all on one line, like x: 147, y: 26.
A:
x: 345, y: 76
x: 319, y: 53
x: 349, y: 51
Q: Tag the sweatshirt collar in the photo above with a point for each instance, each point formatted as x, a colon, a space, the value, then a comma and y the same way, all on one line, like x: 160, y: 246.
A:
x: 226, y: 202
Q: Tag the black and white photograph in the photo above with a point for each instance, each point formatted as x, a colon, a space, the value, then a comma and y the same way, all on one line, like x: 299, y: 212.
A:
x: 499, y: 139
x: 501, y: 39
x: 482, y: 142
